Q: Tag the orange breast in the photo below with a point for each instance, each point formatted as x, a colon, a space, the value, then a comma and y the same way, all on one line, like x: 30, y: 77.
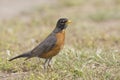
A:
x: 59, y: 45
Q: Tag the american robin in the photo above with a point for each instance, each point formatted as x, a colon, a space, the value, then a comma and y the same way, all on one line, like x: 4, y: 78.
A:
x: 51, y: 46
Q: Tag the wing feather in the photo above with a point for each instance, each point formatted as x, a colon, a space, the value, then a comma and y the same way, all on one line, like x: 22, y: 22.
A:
x: 45, y: 46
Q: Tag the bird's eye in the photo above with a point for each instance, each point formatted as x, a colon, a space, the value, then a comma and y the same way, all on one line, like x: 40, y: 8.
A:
x: 62, y: 21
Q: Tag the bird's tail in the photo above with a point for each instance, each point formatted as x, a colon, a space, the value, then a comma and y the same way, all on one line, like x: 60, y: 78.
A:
x: 27, y: 54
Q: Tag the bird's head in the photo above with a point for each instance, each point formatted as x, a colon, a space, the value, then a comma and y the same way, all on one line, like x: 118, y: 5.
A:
x: 62, y: 24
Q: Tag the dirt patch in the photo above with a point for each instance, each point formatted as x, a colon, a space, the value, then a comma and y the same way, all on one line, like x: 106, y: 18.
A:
x: 12, y: 76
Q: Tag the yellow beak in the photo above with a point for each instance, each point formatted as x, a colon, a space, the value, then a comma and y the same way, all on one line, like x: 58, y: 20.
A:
x: 69, y: 21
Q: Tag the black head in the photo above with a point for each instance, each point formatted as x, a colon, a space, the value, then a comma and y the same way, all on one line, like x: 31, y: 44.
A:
x: 62, y: 24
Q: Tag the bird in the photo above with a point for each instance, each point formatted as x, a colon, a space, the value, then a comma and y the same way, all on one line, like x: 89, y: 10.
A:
x: 50, y: 46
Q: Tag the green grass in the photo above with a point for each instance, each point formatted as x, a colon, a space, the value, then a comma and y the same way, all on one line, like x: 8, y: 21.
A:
x: 106, y: 15
x: 91, y: 50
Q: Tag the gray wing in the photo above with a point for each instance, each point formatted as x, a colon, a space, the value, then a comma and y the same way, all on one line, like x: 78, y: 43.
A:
x: 45, y: 46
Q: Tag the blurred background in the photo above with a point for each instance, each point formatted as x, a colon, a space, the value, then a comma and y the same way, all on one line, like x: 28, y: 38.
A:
x: 92, y: 40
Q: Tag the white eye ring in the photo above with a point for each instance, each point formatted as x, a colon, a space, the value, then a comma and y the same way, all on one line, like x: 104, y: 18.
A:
x: 62, y: 21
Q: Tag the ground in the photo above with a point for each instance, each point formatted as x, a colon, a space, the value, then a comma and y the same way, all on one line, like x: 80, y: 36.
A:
x: 92, y: 43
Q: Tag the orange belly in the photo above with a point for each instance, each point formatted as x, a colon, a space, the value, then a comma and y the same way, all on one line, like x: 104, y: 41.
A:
x: 59, y: 45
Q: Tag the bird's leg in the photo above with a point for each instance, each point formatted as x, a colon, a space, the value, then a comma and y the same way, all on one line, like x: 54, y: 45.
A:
x: 45, y: 64
x: 38, y: 60
x: 49, y: 62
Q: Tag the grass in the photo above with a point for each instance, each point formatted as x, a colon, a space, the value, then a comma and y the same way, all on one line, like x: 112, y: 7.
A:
x: 92, y: 42
x: 105, y: 15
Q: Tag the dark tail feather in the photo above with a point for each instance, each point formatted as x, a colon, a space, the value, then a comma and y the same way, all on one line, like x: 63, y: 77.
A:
x: 20, y: 56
